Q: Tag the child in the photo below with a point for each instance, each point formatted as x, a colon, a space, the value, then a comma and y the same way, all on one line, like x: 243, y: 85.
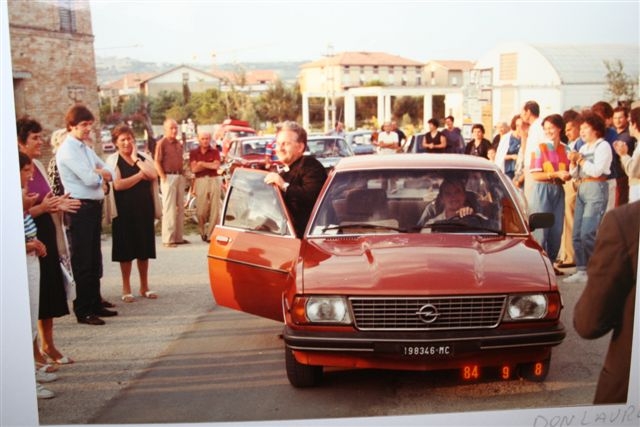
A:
x: 35, y: 248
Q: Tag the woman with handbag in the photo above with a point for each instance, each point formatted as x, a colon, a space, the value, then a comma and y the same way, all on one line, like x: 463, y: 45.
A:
x: 46, y: 213
x: 133, y: 205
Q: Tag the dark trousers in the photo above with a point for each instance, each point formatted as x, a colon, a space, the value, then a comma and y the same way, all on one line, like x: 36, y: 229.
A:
x: 85, y: 227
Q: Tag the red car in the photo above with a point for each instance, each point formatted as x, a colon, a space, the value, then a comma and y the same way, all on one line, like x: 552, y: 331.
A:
x: 385, y: 278
x: 249, y: 152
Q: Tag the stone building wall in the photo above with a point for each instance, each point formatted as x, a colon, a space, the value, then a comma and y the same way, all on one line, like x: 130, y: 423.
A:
x: 53, y: 61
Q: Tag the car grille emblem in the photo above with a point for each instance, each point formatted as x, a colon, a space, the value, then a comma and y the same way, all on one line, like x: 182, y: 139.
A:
x: 428, y: 313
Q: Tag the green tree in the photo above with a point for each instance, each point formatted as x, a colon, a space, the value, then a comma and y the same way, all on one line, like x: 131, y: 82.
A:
x: 160, y: 106
x: 278, y: 103
x: 620, y: 84
x: 408, y: 105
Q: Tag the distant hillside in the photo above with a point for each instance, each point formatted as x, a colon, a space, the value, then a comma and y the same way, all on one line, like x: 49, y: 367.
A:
x: 111, y: 68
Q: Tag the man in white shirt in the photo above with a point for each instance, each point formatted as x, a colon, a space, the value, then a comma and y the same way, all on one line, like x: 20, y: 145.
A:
x: 503, y: 144
x: 531, y: 115
x: 387, y: 140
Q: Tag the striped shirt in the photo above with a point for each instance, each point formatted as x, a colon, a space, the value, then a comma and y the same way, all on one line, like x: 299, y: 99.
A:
x: 30, y: 229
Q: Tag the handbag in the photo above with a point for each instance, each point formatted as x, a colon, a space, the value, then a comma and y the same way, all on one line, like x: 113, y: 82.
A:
x: 65, y: 266
x: 67, y: 278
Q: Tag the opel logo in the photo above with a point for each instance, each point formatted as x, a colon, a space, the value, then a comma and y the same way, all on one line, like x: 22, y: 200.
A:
x: 428, y: 313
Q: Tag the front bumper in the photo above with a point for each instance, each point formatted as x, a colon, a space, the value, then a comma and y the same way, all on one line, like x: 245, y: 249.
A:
x: 389, y: 342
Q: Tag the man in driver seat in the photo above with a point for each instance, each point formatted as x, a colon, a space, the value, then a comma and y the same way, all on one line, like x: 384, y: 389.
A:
x: 453, y: 201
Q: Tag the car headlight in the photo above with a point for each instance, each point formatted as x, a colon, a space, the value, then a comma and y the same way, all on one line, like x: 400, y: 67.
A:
x: 526, y: 307
x: 321, y: 309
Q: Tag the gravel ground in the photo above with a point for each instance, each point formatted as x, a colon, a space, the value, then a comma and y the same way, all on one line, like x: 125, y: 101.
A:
x: 109, y: 357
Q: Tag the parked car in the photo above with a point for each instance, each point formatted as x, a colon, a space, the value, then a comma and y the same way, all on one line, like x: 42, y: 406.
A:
x: 377, y: 282
x: 248, y: 152
x: 415, y: 143
x: 230, y: 129
x: 360, y: 141
x: 328, y: 149
x: 105, y: 139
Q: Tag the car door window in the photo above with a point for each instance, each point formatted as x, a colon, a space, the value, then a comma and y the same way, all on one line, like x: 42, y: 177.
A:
x: 253, y: 205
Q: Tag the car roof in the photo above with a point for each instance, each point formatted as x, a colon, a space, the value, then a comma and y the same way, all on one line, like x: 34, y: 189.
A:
x: 255, y: 138
x: 413, y: 160
x: 317, y: 137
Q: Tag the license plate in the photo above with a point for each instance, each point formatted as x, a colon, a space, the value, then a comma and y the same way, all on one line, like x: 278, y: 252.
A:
x: 435, y: 351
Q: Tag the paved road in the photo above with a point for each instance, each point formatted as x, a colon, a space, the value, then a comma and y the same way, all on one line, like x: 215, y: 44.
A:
x: 181, y: 358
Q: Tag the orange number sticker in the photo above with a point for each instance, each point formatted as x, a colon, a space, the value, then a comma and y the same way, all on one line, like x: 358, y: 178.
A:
x: 471, y: 372
x: 506, y: 372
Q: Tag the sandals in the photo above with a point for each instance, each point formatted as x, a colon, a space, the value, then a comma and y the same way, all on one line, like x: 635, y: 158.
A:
x: 147, y: 294
x: 63, y: 360
x: 45, y: 368
x: 150, y: 295
x: 128, y: 298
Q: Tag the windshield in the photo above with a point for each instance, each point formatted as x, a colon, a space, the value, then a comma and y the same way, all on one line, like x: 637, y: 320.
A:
x: 328, y: 147
x: 417, y: 201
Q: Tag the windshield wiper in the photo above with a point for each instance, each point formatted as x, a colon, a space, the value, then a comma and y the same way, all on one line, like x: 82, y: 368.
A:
x: 364, y: 225
x: 460, y: 225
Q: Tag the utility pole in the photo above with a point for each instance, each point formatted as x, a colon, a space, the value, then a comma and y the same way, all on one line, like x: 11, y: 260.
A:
x: 329, y: 92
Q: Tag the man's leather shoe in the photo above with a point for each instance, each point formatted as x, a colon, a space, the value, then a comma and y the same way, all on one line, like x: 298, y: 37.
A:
x: 106, y: 313
x: 107, y: 304
x: 91, y: 320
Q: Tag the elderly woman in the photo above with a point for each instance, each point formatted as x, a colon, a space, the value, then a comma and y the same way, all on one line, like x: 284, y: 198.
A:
x: 478, y: 146
x: 46, y: 213
x: 134, y: 205
x: 550, y: 169
x: 590, y: 166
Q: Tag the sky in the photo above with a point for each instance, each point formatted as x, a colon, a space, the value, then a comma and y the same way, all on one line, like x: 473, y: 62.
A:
x: 210, y: 32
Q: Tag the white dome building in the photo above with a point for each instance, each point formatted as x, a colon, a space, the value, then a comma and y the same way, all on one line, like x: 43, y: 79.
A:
x: 558, y: 77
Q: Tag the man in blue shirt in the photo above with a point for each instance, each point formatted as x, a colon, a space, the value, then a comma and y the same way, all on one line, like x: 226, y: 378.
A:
x: 83, y: 174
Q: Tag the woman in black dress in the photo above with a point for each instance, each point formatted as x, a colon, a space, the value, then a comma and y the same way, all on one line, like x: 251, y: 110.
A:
x: 132, y: 211
x: 478, y: 146
x: 434, y: 141
x: 47, y: 214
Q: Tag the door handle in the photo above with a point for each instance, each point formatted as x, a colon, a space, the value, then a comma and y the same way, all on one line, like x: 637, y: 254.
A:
x: 223, y: 240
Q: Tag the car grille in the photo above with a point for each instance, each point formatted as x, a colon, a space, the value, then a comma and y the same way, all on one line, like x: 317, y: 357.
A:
x: 429, y: 313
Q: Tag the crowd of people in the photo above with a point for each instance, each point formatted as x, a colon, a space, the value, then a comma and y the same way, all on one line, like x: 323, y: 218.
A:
x: 576, y: 165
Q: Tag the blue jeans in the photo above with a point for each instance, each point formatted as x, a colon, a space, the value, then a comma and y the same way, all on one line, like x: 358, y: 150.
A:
x: 591, y: 204
x: 549, y: 198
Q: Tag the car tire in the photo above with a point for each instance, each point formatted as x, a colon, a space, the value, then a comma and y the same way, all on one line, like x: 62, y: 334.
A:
x: 300, y: 375
x: 535, y: 371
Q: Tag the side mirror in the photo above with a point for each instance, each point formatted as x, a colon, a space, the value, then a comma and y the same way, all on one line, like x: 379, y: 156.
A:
x: 541, y: 220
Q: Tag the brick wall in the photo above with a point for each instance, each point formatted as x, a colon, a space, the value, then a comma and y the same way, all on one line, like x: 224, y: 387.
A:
x: 52, y: 69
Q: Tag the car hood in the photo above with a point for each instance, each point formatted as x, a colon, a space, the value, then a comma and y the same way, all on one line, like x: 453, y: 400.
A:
x: 424, y: 264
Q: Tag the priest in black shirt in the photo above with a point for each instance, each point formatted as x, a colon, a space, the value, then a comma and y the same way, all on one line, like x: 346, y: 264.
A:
x: 301, y: 178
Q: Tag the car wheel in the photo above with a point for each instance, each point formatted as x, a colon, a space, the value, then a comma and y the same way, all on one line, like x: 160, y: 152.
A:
x: 535, y: 371
x: 300, y: 375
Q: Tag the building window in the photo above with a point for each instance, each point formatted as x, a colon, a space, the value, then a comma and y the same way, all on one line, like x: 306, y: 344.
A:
x: 67, y: 16
x: 375, y: 69
x: 508, y: 66
x: 486, y: 77
x: 418, y: 80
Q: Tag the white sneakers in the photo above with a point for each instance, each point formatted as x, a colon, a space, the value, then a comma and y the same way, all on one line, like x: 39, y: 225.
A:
x: 579, y: 276
x: 43, y: 393
x: 45, y: 377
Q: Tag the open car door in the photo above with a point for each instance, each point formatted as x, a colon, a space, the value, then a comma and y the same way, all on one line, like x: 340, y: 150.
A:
x: 253, y: 252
